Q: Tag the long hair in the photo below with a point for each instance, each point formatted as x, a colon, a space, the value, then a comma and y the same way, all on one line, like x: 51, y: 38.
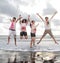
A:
x: 14, y: 18
x: 31, y: 23
x: 24, y: 21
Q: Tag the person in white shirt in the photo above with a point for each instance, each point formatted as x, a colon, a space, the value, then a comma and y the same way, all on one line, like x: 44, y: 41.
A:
x: 33, y: 31
x: 47, y: 27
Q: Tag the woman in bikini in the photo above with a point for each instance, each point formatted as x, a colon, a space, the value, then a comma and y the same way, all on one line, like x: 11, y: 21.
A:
x: 33, y: 31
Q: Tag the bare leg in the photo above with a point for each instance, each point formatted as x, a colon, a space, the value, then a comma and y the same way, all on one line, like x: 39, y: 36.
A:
x: 42, y: 36
x: 34, y: 41
x: 8, y: 39
x: 31, y: 43
x: 21, y: 37
x: 15, y: 40
x: 50, y: 33
x: 26, y: 37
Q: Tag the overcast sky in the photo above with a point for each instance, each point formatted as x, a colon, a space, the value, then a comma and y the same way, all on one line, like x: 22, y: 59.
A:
x: 15, y: 7
x: 10, y: 8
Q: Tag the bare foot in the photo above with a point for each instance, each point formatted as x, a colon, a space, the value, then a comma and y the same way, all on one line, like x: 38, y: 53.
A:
x: 30, y: 46
x: 7, y: 43
x: 34, y: 45
x: 38, y: 42
x: 56, y: 43
x: 15, y: 45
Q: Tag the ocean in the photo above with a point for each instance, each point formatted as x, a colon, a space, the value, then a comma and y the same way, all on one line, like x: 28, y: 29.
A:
x: 46, y: 52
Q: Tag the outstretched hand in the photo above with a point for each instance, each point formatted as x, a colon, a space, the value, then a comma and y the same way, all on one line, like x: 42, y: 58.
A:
x: 55, y: 12
x: 53, y: 15
x: 28, y: 16
x: 10, y: 19
x: 37, y: 13
x: 20, y: 17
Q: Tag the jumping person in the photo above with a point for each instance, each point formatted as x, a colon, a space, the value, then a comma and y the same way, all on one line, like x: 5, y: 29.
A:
x: 23, y: 25
x: 47, y: 27
x: 12, y: 29
x: 33, y: 31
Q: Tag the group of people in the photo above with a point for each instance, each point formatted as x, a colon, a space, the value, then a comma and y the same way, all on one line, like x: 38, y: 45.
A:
x: 23, y: 31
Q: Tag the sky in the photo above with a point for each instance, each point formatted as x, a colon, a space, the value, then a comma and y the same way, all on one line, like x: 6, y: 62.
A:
x: 10, y: 8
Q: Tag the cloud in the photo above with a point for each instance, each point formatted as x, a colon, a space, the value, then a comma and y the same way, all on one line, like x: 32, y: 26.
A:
x: 1, y: 19
x: 21, y: 2
x: 35, y: 17
x: 7, y: 8
x: 56, y: 22
x: 49, y: 9
x: 24, y: 2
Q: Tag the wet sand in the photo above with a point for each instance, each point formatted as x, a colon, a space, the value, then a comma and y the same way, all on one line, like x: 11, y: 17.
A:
x: 37, y: 57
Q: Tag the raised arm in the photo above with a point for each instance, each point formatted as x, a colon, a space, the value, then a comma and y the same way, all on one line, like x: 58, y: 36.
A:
x: 20, y: 21
x: 10, y: 20
x: 37, y: 25
x: 19, y: 18
x: 29, y: 18
x: 40, y: 16
x: 53, y: 15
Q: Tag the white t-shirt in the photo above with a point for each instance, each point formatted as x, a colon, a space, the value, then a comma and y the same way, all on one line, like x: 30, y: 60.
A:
x: 47, y: 26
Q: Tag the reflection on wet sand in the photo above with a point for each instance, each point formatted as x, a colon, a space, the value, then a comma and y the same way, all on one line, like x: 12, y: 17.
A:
x: 29, y: 57
x: 32, y: 57
x: 46, y: 57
